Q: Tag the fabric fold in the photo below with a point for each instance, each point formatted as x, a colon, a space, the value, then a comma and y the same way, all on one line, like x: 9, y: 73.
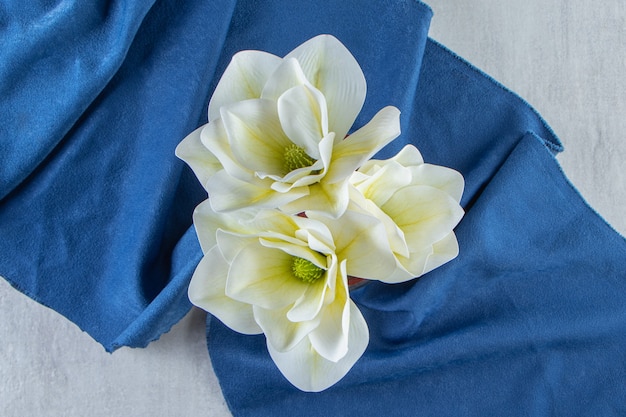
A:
x: 100, y: 228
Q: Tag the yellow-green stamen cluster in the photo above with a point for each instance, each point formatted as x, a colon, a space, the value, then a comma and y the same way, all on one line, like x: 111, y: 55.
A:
x: 295, y: 157
x: 305, y: 270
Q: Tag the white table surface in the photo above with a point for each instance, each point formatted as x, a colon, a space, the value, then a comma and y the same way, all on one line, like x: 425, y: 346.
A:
x: 567, y: 58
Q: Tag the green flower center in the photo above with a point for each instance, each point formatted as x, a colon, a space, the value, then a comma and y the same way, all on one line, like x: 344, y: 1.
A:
x: 295, y: 157
x: 305, y: 270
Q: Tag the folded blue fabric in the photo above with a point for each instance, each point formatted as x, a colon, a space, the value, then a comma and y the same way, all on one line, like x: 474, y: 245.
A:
x: 95, y: 210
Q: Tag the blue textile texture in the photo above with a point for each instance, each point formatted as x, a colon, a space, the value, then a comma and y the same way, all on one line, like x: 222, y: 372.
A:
x: 95, y: 209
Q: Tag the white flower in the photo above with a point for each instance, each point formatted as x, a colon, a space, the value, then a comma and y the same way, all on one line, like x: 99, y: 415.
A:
x: 296, y: 207
x: 419, y: 205
x: 277, y: 130
x: 286, y: 276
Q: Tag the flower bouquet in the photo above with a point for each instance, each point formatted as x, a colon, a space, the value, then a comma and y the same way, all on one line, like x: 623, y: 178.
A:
x: 298, y: 209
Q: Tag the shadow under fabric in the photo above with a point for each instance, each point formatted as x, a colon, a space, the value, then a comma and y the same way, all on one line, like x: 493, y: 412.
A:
x: 95, y: 209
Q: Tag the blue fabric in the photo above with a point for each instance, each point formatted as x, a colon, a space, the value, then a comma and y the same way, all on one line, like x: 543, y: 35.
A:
x: 95, y: 210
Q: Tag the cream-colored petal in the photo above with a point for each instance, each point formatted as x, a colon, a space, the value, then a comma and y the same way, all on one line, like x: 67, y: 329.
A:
x: 352, y: 152
x: 231, y: 243
x: 203, y: 163
x: 332, y: 69
x: 443, y: 251
x: 408, y: 156
x: 425, y: 214
x: 304, y: 118
x: 280, y: 332
x: 263, y: 276
x: 227, y: 193
x: 410, y: 267
x: 255, y: 136
x: 381, y: 185
x: 215, y: 139
x: 309, y: 305
x: 332, y: 199
x: 207, y: 221
x: 361, y: 239
x: 445, y: 179
x: 399, y: 275
x: 330, y: 338
x: 306, y: 369
x: 244, y: 78
x: 206, y: 291
x: 288, y: 75
x: 395, y: 235
x: 294, y: 249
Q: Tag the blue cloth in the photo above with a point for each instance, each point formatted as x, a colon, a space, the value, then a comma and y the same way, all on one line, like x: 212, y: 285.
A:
x: 95, y: 209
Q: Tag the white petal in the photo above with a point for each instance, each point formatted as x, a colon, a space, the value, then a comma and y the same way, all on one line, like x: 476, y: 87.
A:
x: 361, y: 239
x: 408, y: 156
x: 228, y: 193
x: 231, y: 243
x: 352, y: 152
x: 410, y: 267
x: 332, y: 69
x: 330, y: 338
x: 215, y: 139
x: 203, y: 163
x: 381, y: 185
x: 425, y: 214
x: 299, y: 251
x: 207, y: 221
x: 330, y: 198
x: 395, y: 235
x: 443, y: 251
x: 206, y: 291
x: 289, y: 74
x: 243, y: 79
x: 445, y: 179
x: 304, y: 118
x: 309, y: 305
x: 256, y: 136
x: 263, y: 276
x: 305, y: 368
x: 282, y: 333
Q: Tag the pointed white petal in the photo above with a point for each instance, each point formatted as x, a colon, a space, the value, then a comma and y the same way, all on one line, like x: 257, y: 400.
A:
x: 298, y: 250
x: 381, y: 185
x: 425, y: 214
x: 231, y: 244
x: 282, y: 333
x: 395, y: 235
x: 414, y: 265
x: 352, y: 152
x: 304, y: 118
x: 243, y: 79
x: 309, y: 305
x: 203, y: 163
x: 408, y: 156
x: 445, y: 179
x: 330, y: 198
x: 288, y: 75
x: 263, y: 276
x: 206, y: 291
x: 305, y: 368
x: 358, y: 237
x: 207, y: 221
x: 215, y: 139
x: 256, y: 136
x: 330, y: 338
x: 443, y: 251
x: 228, y: 193
x: 332, y: 69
